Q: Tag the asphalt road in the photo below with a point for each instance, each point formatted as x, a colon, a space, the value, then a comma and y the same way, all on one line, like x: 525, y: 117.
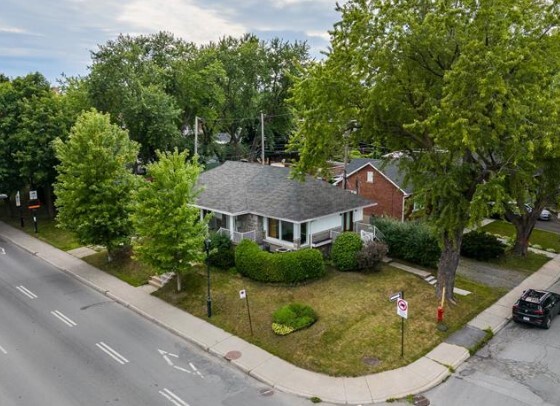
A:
x: 64, y: 344
x: 553, y: 225
x: 519, y: 367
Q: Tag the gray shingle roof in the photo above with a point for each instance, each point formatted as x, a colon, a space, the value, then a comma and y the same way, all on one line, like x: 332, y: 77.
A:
x: 389, y: 168
x: 238, y: 187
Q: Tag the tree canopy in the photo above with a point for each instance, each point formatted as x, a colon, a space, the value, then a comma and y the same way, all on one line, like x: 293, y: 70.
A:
x: 95, y: 181
x: 466, y: 90
x: 170, y: 232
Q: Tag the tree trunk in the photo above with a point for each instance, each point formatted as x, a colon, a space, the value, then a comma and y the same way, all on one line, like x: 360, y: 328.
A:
x: 523, y: 228
x: 448, y: 262
x: 49, y: 201
x: 178, y: 277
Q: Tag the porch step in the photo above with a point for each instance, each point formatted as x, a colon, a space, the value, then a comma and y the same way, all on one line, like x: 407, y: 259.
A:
x: 159, y: 281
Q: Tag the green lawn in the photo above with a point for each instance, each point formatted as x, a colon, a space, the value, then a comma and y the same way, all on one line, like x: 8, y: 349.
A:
x: 527, y: 265
x: 543, y: 238
x: 46, y: 227
x: 356, y: 318
x: 130, y: 271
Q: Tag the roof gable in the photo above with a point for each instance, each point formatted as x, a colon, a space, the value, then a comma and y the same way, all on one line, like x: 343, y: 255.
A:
x: 388, y: 168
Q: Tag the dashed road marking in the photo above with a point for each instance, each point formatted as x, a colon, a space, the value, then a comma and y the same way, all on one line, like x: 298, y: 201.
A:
x: 66, y: 320
x: 112, y: 353
x: 173, y: 398
x: 26, y: 292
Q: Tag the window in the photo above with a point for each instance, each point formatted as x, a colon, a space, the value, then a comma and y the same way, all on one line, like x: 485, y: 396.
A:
x: 370, y: 177
x: 303, y: 233
x: 273, y: 228
x: 287, y: 231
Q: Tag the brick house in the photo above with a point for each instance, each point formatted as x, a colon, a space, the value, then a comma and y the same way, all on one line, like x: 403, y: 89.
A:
x: 380, y: 181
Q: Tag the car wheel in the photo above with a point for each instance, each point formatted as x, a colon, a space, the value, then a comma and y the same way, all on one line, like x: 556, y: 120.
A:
x: 547, y: 322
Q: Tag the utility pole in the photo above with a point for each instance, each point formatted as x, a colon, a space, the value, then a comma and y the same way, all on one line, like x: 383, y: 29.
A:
x: 346, y: 134
x: 195, y: 135
x: 262, y: 137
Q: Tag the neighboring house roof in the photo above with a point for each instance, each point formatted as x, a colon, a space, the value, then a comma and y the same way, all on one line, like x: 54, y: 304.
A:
x: 238, y: 187
x: 389, y: 168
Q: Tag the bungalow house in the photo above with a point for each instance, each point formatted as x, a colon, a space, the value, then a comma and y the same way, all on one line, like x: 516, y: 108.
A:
x: 262, y: 203
x: 381, y: 181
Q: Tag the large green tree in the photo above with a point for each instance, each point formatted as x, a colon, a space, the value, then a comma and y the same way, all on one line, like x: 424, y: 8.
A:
x: 170, y: 232
x: 466, y: 90
x: 133, y: 78
x: 95, y: 181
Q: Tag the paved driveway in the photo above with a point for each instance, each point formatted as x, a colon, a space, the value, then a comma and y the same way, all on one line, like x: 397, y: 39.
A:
x: 490, y: 275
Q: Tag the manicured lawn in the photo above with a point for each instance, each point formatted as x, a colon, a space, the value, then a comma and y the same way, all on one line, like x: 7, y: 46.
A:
x: 47, y: 230
x: 531, y: 263
x: 540, y: 237
x: 356, y: 318
x: 132, y: 272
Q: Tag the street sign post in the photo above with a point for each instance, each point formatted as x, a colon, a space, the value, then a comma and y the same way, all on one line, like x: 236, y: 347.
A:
x: 395, y: 296
x: 243, y: 295
x: 18, y: 204
x: 402, y: 310
x: 32, y: 195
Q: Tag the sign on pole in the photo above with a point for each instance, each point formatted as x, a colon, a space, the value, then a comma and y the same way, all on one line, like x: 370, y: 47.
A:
x: 395, y: 296
x: 18, y: 200
x: 32, y: 195
x: 402, y: 308
x: 242, y: 294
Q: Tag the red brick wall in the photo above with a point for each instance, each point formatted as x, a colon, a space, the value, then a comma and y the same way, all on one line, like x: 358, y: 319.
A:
x: 389, y: 198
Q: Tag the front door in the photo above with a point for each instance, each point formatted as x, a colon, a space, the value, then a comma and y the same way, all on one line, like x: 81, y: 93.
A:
x: 348, y: 221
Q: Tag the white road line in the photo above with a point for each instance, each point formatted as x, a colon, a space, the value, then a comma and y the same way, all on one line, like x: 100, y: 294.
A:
x: 182, y: 369
x: 2, y: 251
x: 26, y: 292
x: 195, y: 370
x: 3, y: 350
x: 63, y: 318
x: 112, y: 353
x: 173, y: 355
x: 173, y: 398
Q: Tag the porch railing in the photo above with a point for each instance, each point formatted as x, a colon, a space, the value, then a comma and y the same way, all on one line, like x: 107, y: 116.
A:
x: 236, y: 236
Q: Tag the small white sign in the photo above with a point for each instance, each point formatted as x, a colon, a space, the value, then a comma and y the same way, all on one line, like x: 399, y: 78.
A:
x: 242, y: 294
x: 18, y: 201
x: 32, y: 195
x: 395, y: 296
x: 402, y: 308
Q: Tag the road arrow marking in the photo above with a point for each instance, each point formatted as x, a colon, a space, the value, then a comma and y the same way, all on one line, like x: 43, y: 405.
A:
x: 195, y: 370
x: 3, y: 350
x: 173, y: 398
x: 2, y: 251
x: 27, y: 292
x: 165, y: 357
x: 63, y: 318
x: 112, y: 353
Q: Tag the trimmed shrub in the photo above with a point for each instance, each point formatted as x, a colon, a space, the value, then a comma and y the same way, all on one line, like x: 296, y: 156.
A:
x: 345, y: 250
x: 221, y: 252
x: 411, y: 241
x: 292, y: 317
x: 371, y: 255
x: 481, y: 246
x: 287, y: 267
x: 223, y: 259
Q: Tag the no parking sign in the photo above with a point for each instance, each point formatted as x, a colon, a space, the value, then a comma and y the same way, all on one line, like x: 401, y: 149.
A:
x: 402, y: 308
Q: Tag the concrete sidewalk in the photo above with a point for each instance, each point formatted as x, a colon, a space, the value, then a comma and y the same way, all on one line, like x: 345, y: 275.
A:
x: 417, y: 377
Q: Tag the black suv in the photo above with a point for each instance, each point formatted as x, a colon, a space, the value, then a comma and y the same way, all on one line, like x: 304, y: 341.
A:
x: 536, y: 307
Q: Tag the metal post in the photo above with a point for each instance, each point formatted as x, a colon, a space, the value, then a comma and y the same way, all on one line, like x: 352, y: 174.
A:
x: 345, y: 159
x: 35, y: 221
x: 402, y: 329
x: 208, y: 297
x: 195, y: 135
x: 249, y: 312
x: 262, y: 138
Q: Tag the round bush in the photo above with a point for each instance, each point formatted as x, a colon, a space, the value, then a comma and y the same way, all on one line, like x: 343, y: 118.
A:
x: 292, y: 317
x: 481, y: 246
x: 287, y: 267
x: 345, y: 250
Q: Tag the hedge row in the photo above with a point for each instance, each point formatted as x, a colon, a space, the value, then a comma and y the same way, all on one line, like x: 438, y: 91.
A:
x: 411, y: 241
x: 287, y: 267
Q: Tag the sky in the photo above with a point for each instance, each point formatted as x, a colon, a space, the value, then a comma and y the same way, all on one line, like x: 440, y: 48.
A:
x: 56, y: 36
